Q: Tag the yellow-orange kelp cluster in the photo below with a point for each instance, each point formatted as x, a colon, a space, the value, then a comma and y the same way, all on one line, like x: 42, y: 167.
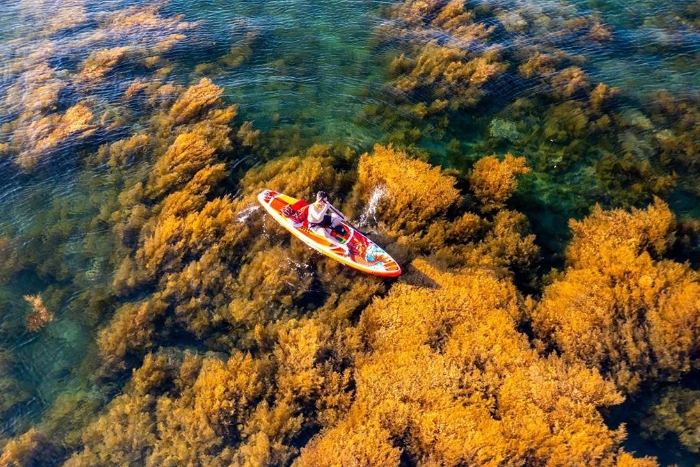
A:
x: 241, y: 346
x: 619, y: 304
x: 61, y: 246
x: 60, y: 99
x: 445, y: 378
x: 455, y: 54
x: 85, y: 90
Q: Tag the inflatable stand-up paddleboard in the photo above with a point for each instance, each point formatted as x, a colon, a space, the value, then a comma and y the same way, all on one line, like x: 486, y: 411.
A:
x: 353, y: 248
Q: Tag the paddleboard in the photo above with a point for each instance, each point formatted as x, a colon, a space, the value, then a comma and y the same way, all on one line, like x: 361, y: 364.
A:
x: 352, y: 248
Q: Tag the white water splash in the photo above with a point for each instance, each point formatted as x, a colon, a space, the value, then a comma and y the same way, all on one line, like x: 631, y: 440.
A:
x: 300, y: 267
x: 371, y: 209
x: 246, y: 213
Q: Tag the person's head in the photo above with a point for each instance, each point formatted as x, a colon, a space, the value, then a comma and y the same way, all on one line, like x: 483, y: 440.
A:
x: 321, y: 196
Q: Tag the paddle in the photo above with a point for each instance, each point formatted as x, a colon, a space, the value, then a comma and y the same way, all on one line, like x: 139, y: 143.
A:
x: 345, y: 219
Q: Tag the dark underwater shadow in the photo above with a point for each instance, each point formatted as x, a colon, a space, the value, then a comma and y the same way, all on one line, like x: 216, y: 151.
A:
x: 415, y: 277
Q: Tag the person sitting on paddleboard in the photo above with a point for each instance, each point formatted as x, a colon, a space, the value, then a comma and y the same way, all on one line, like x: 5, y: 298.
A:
x: 323, y: 217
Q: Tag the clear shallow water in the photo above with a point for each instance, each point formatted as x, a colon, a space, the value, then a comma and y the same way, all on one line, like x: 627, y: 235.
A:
x: 303, y: 72
x: 295, y: 63
x: 652, y: 49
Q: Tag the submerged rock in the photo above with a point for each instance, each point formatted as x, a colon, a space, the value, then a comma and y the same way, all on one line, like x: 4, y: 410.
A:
x: 636, y: 119
x: 504, y: 129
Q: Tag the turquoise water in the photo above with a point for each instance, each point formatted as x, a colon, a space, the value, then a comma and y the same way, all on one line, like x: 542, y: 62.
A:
x: 303, y: 72
x: 303, y: 64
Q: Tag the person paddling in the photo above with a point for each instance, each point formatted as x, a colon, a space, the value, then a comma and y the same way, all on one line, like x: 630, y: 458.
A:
x: 323, y: 218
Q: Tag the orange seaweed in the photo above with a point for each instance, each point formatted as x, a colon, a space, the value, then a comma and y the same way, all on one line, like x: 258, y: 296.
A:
x: 40, y: 315
x: 493, y: 181
x: 618, y: 302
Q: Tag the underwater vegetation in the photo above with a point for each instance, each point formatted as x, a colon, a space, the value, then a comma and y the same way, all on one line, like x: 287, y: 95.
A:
x: 59, y: 94
x: 217, y: 339
x: 291, y: 361
x: 470, y: 78
x: 39, y: 316
x: 446, y: 379
x: 676, y: 413
x: 640, y: 310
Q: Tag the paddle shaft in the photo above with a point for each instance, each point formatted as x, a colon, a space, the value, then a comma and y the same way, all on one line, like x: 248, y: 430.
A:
x: 345, y: 219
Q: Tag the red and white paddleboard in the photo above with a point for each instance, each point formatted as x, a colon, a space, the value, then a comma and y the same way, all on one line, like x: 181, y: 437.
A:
x: 353, y: 249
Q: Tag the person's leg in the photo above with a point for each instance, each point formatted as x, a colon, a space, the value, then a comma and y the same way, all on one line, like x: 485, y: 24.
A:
x: 335, y: 224
x: 323, y: 231
x: 335, y: 220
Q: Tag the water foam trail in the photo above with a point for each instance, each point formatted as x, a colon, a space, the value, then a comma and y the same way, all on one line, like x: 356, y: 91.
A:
x: 371, y: 209
x: 246, y: 213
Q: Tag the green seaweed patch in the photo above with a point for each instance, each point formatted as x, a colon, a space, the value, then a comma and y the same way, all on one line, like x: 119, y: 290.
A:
x: 675, y: 413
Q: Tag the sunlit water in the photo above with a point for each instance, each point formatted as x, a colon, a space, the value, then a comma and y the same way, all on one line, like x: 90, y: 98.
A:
x: 303, y: 69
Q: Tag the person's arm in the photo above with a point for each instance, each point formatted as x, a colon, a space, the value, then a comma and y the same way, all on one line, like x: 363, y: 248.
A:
x: 337, y: 211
